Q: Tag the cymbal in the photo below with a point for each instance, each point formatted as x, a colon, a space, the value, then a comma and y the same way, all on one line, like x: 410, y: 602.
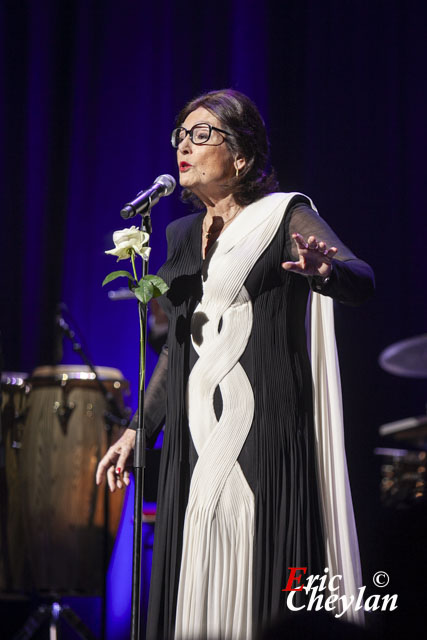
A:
x: 407, y: 358
x: 406, y: 429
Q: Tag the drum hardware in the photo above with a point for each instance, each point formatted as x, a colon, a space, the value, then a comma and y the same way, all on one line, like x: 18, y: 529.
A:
x: 403, y: 470
x: 17, y: 416
x: 403, y: 476
x: 63, y: 412
x: 19, y: 424
x: 413, y: 429
x: 13, y: 378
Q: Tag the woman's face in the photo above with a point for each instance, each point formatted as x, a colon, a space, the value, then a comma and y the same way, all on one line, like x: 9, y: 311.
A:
x: 206, y: 168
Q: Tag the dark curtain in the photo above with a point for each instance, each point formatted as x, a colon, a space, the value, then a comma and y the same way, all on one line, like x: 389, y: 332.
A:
x: 89, y: 94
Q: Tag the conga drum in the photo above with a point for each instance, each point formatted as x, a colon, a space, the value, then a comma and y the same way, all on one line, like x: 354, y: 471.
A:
x: 64, y: 438
x: 14, y: 394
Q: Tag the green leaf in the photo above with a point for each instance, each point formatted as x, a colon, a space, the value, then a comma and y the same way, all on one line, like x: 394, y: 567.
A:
x: 116, y: 274
x: 145, y: 291
x: 159, y: 286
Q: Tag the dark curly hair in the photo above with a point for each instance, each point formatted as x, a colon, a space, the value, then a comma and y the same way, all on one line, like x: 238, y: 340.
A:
x: 238, y: 114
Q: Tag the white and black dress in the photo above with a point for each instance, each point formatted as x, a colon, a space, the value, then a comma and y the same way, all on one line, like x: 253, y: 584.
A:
x: 240, y: 499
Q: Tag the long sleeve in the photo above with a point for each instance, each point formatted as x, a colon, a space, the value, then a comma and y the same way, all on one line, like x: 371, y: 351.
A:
x: 352, y: 280
x: 155, y: 400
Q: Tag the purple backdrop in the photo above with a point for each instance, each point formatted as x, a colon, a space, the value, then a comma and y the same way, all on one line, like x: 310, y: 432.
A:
x: 90, y: 90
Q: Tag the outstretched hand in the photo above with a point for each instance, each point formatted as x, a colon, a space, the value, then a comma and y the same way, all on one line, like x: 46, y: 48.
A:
x: 113, y: 464
x: 315, y: 259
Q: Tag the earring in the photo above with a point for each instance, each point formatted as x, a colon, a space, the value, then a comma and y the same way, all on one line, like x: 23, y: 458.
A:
x: 237, y: 172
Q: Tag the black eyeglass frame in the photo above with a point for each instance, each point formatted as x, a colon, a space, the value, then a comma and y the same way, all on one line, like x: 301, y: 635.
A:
x: 189, y: 132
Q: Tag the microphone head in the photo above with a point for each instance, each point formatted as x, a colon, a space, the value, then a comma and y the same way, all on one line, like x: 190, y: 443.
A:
x: 168, y: 183
x: 162, y: 186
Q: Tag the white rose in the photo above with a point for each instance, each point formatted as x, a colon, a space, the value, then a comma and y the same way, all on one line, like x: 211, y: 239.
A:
x: 127, y: 239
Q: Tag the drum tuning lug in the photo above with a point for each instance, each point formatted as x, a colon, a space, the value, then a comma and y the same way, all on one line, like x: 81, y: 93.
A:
x: 63, y: 411
x: 21, y: 416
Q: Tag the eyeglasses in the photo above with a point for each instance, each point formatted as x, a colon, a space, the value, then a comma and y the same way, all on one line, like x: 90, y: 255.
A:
x: 199, y: 134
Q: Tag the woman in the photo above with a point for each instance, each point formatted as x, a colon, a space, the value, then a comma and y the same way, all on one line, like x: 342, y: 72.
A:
x: 242, y: 482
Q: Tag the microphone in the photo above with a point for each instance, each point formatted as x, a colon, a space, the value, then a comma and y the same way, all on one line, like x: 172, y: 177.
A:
x: 162, y: 186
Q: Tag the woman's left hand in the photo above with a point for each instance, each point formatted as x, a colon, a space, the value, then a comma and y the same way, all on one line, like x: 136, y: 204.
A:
x: 315, y: 259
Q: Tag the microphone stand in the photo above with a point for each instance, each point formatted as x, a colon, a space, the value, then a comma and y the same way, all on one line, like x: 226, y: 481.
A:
x: 114, y: 415
x: 139, y: 453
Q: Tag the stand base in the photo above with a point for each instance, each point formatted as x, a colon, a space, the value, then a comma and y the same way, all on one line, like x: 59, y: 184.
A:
x: 54, y: 613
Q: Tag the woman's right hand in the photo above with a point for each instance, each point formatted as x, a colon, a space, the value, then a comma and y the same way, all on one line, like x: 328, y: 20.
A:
x: 113, y: 464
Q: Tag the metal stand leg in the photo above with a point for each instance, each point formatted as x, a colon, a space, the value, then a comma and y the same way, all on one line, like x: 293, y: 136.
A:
x: 33, y: 623
x: 54, y: 613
